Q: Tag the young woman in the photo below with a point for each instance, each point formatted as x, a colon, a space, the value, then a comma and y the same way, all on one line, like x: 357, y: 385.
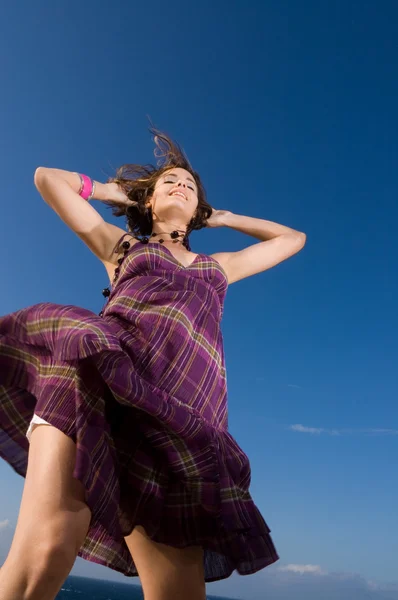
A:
x: 118, y: 421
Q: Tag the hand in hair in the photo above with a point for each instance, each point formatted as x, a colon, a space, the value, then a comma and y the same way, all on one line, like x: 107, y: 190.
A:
x: 217, y: 218
x: 117, y: 195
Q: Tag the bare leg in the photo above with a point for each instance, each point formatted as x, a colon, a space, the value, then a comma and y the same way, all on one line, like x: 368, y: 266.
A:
x: 167, y: 573
x: 52, y: 522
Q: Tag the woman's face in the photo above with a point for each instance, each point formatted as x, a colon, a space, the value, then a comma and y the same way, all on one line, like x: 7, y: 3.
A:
x: 175, y: 196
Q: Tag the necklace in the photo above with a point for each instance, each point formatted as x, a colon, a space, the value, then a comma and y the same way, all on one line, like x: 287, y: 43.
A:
x: 175, y: 235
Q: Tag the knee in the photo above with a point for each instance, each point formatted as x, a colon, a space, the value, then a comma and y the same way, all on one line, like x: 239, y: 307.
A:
x: 52, y: 557
x: 60, y: 537
x: 39, y: 571
x: 51, y: 546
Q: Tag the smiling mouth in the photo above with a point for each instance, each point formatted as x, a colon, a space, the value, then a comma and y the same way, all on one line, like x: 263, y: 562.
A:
x: 179, y: 194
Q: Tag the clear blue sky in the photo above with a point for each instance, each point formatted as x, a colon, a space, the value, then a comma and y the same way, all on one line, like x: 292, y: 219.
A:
x: 289, y: 112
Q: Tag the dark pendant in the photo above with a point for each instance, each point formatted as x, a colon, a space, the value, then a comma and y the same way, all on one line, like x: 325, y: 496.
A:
x: 120, y: 260
x: 175, y: 241
x: 117, y: 270
x: 126, y: 245
x: 144, y: 240
x: 154, y: 234
x: 106, y: 292
x: 174, y: 234
x: 100, y: 314
x: 161, y: 241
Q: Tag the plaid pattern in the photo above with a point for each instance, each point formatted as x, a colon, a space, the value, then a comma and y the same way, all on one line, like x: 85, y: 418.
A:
x: 142, y: 392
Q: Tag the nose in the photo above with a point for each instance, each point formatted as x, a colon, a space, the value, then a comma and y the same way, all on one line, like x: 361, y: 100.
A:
x: 181, y: 183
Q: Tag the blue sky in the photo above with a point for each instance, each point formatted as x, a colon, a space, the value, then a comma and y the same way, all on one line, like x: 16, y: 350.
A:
x: 288, y: 111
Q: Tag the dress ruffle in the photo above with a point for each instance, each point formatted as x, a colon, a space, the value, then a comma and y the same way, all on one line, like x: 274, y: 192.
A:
x: 144, y: 456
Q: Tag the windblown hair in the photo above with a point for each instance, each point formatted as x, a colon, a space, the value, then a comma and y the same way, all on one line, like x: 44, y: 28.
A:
x: 138, y: 183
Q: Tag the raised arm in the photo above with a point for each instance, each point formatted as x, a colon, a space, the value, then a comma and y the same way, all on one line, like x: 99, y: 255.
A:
x: 278, y: 243
x: 60, y: 189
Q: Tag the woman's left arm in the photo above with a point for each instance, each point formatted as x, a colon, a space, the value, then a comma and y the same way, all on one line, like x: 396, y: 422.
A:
x: 277, y: 244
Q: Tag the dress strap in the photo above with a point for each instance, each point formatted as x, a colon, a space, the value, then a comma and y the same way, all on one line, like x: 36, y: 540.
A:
x: 121, y: 240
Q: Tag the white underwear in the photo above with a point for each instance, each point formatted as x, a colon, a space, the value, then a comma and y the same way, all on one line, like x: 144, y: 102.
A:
x: 35, y: 421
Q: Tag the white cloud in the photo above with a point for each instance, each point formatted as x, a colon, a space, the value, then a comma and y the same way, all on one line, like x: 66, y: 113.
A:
x: 379, y: 431
x: 337, y: 432
x: 4, y: 524
x: 304, y: 429
x: 302, y: 569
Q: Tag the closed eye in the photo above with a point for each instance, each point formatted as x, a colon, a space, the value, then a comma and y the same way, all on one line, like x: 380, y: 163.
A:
x: 172, y: 181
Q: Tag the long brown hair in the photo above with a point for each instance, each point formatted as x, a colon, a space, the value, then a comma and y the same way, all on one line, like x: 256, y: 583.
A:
x: 138, y: 183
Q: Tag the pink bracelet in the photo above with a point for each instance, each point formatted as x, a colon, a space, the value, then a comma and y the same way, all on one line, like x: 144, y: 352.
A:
x: 87, y: 187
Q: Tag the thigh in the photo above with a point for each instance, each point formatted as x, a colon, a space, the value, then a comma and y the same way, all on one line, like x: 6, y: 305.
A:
x: 53, y: 510
x: 52, y: 523
x: 167, y: 573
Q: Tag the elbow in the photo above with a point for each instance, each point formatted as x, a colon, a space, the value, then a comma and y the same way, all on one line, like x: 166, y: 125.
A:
x: 300, y: 240
x: 39, y: 175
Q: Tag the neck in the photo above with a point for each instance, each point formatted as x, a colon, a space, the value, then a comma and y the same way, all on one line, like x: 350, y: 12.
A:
x: 168, y: 231
x: 168, y: 225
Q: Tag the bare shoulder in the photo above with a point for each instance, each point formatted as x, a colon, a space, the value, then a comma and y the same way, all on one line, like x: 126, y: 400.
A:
x: 116, y: 237
x: 222, y: 259
x: 115, y: 249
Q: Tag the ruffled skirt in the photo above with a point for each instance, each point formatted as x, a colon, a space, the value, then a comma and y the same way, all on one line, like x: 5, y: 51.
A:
x: 143, y: 456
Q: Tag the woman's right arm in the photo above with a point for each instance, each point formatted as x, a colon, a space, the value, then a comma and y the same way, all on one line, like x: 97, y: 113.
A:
x: 60, y: 190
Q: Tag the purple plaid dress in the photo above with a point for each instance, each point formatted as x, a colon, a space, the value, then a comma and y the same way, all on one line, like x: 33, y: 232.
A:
x: 142, y: 392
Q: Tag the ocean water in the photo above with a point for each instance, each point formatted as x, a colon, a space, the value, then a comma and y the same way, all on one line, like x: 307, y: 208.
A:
x: 84, y: 588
